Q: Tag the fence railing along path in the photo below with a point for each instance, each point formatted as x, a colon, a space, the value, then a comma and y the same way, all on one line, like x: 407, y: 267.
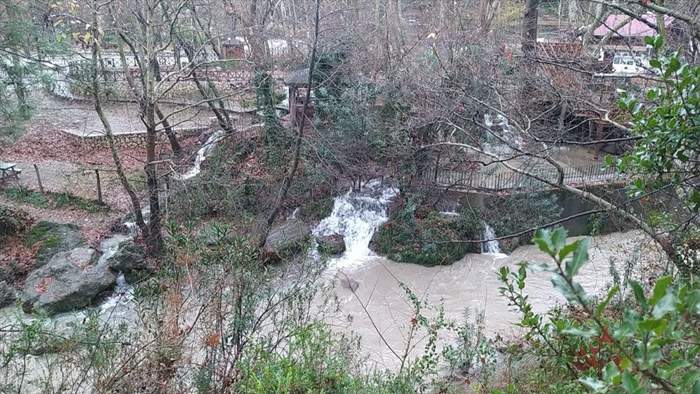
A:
x: 473, y: 180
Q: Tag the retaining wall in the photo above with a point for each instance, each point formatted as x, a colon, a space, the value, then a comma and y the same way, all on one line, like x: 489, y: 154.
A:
x: 129, y: 140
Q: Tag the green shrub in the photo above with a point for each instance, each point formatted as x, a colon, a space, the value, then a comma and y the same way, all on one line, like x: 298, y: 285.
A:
x: 433, y: 240
x: 13, y: 221
x: 651, y: 345
x: 516, y: 213
x: 316, y: 210
x: 24, y: 195
x: 313, y: 362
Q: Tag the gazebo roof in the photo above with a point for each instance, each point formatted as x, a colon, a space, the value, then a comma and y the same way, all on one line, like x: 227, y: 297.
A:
x: 635, y: 27
x: 297, y: 77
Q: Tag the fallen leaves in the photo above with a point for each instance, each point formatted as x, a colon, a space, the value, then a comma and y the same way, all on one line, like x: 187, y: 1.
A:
x: 43, y: 286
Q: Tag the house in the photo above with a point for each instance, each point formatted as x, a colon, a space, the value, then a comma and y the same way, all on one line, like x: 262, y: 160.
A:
x: 233, y: 49
x: 628, y: 33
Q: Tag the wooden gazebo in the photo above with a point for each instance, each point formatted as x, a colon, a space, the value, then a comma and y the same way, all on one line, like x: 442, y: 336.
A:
x: 298, y: 82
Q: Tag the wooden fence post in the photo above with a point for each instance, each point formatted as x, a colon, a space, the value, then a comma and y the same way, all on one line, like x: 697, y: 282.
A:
x: 38, y: 179
x: 99, y: 186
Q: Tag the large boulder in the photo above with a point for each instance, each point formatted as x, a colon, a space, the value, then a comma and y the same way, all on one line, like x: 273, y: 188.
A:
x: 130, y: 259
x: 7, y: 294
x: 286, y: 240
x: 54, y: 238
x: 331, y: 244
x: 70, y: 280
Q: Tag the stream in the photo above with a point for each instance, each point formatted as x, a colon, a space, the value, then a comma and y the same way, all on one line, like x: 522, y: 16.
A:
x: 379, y: 309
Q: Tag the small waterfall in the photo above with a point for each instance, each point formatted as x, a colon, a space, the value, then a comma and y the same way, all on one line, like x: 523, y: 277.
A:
x: 490, y: 244
x: 118, y: 302
x: 202, y: 153
x: 509, y: 137
x: 355, y: 216
x: 131, y: 224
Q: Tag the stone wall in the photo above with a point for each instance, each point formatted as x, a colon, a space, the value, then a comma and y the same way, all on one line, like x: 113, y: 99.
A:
x: 129, y: 140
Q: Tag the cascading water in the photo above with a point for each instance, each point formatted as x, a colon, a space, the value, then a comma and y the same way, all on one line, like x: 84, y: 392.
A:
x: 501, y: 142
x: 355, y: 216
x: 202, y: 153
x: 490, y: 245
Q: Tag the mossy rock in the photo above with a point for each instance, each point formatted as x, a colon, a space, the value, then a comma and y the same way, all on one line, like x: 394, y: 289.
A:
x: 286, y: 240
x: 54, y: 238
x: 331, y: 244
x: 426, y: 241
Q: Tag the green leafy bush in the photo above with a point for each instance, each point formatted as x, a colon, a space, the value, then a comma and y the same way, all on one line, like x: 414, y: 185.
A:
x: 432, y: 240
x: 518, y: 212
x: 652, y: 346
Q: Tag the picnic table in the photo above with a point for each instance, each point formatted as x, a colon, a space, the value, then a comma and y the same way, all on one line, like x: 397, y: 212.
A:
x: 9, y: 171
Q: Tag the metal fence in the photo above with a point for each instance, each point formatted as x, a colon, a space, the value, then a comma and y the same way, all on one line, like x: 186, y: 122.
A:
x: 580, y: 175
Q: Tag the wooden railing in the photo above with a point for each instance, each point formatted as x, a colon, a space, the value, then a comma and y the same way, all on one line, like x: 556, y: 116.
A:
x: 594, y: 173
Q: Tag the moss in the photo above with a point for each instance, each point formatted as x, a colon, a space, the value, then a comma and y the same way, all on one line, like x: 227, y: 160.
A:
x: 54, y: 238
x: 316, y: 210
x: 426, y: 240
x: 45, y: 231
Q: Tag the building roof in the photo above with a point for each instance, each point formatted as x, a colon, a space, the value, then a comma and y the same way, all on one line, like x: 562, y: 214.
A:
x: 634, y: 28
x: 297, y: 77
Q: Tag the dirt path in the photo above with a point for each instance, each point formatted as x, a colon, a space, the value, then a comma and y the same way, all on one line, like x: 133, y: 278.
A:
x: 66, y: 167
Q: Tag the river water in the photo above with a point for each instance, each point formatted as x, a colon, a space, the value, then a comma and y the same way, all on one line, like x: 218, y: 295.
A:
x: 379, y: 309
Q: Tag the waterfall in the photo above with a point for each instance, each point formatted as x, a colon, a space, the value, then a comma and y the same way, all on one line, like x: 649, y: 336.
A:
x: 509, y: 136
x: 355, y: 216
x: 202, y: 153
x: 490, y: 245
x: 120, y: 299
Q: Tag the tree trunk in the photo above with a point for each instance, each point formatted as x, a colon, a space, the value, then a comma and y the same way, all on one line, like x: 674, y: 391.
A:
x: 169, y: 132
x: 528, y: 37
x: 96, y: 91
x: 209, y: 92
x: 148, y: 106
x: 287, y: 182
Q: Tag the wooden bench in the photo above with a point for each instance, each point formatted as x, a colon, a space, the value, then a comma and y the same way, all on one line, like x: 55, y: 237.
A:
x: 8, y: 172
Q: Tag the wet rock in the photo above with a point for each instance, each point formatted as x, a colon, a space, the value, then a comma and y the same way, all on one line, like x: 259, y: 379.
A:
x: 69, y: 281
x: 331, y: 244
x: 54, y: 238
x: 286, y: 240
x: 7, y: 294
x: 130, y: 259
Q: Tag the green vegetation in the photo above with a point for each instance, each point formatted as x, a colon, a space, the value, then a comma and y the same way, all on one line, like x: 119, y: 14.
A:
x: 256, y: 337
x: 518, y: 212
x: 23, y: 195
x: 427, y: 238
x: 13, y: 221
x: 651, y: 343
x: 316, y: 210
